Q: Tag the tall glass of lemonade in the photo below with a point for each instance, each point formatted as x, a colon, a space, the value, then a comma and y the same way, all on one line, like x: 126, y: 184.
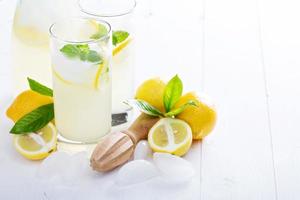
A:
x: 80, y: 59
x: 119, y: 13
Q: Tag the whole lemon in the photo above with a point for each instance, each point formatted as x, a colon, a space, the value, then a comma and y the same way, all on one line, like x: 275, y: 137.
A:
x: 26, y: 102
x: 201, y: 118
x: 152, y: 91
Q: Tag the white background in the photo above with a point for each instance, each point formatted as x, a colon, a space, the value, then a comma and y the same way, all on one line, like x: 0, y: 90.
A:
x: 245, y: 55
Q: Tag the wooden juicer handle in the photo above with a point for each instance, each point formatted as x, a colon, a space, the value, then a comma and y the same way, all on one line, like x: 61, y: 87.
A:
x: 117, y: 148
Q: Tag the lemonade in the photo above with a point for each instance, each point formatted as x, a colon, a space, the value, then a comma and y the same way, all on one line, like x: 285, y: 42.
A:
x: 119, y: 13
x: 30, y: 51
x: 122, y: 63
x: 81, y: 79
x: 30, y: 39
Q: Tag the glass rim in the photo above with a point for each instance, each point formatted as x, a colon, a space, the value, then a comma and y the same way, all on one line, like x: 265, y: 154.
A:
x: 53, y: 35
x: 122, y: 13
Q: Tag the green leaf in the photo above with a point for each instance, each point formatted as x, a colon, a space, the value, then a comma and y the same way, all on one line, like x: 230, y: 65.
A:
x: 83, y: 47
x: 81, y: 51
x: 39, y: 88
x: 177, y: 111
x: 93, y: 56
x: 70, y: 50
x: 35, y: 120
x: 102, y: 31
x: 119, y: 36
x: 145, y: 107
x: 172, y: 93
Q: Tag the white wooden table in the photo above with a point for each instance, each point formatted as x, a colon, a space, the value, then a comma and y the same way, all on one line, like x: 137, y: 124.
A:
x: 245, y: 55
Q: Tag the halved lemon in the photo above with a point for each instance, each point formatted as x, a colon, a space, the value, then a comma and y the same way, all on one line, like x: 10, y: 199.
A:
x: 121, y: 46
x: 37, y: 146
x: 170, y: 136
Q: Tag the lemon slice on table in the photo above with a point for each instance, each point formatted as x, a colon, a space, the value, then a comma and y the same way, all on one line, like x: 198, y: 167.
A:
x: 37, y: 146
x: 170, y: 136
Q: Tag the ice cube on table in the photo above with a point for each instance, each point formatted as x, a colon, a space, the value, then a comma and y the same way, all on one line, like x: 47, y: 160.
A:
x: 172, y: 168
x: 52, y: 165
x: 142, y: 151
x: 64, y: 168
x: 136, y: 171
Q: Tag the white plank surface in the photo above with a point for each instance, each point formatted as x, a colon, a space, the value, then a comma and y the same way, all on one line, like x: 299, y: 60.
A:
x: 280, y: 32
x: 237, y: 160
x: 245, y: 55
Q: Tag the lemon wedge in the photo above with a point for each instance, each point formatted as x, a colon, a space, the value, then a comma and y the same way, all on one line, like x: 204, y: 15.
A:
x: 121, y: 46
x: 170, y: 135
x: 37, y: 146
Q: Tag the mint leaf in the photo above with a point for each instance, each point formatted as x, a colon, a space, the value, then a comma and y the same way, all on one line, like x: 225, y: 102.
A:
x: 93, y: 56
x: 35, y: 120
x: 39, y: 88
x: 102, y: 31
x: 145, y: 107
x: 119, y: 36
x: 70, y: 50
x: 81, y: 51
x: 83, y: 47
x: 177, y: 111
x: 172, y: 93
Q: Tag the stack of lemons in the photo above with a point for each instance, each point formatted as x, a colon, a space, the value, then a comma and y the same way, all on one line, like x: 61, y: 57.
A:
x: 175, y: 135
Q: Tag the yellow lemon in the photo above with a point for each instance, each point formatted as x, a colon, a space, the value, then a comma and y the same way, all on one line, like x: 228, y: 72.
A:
x: 26, y: 102
x: 152, y: 91
x: 37, y: 146
x: 170, y: 136
x: 202, y: 118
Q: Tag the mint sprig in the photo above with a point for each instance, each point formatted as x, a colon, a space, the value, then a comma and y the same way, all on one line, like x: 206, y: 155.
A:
x: 119, y: 36
x: 70, y: 50
x: 81, y: 51
x: 145, y: 107
x: 34, y: 120
x: 39, y: 88
x: 177, y: 111
x: 171, y: 95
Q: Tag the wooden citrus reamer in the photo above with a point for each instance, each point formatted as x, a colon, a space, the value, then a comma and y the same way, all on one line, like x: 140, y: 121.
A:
x: 117, y: 148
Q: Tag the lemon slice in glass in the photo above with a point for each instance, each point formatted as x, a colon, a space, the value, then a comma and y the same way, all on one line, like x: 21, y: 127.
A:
x: 170, y: 136
x: 36, y: 146
x: 121, y: 46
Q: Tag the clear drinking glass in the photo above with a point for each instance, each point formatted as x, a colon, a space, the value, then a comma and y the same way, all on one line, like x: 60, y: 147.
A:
x: 119, y: 13
x: 80, y: 59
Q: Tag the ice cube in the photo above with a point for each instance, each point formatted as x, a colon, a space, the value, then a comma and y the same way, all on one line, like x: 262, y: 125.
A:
x: 51, y: 167
x: 142, y: 151
x: 64, y: 168
x: 173, y: 169
x: 136, y: 171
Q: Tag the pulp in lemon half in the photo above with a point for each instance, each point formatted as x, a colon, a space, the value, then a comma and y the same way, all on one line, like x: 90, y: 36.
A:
x: 170, y: 136
x: 37, y: 146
